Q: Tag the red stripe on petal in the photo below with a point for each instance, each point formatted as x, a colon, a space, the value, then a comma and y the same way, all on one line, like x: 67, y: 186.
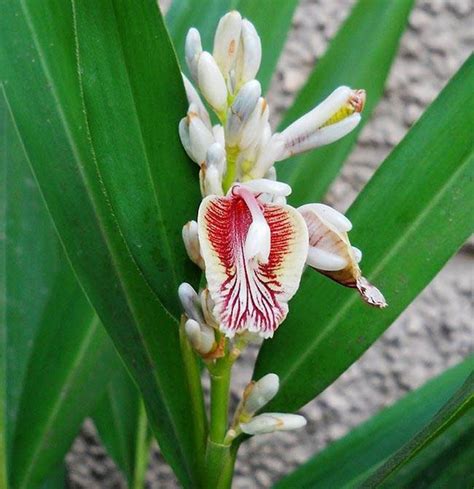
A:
x: 248, y: 295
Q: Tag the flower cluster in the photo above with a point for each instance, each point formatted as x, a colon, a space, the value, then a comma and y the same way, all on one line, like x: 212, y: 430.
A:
x: 251, y: 245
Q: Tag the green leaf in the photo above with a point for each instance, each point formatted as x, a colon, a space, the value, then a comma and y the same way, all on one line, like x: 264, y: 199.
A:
x: 51, y: 340
x: 57, y: 479
x: 347, y: 462
x: 122, y: 425
x: 359, y: 56
x: 272, y: 19
x: 410, y: 219
x: 459, y: 404
x: 445, y: 462
x: 109, y: 230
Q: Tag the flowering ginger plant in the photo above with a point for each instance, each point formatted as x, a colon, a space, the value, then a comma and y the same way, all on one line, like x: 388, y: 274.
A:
x: 252, y: 245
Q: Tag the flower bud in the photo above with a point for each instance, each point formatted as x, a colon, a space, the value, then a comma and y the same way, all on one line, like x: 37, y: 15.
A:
x: 332, y: 119
x: 210, y: 181
x: 250, y: 54
x: 219, y: 134
x: 200, y: 336
x: 270, y: 422
x: 226, y: 41
x: 255, y: 126
x: 241, y: 109
x: 190, y: 302
x: 330, y: 251
x: 216, y: 157
x: 191, y: 243
x: 200, y: 137
x: 262, y: 392
x: 211, y: 82
x: 207, y: 306
x: 192, y: 51
x: 194, y: 98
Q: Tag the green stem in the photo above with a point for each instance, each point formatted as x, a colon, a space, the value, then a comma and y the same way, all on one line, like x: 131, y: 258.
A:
x: 220, y: 385
x: 142, y: 449
x: 220, y: 460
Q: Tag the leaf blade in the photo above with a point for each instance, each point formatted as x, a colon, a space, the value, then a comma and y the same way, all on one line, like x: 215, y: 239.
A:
x: 370, y: 36
x: 39, y: 71
x: 344, y: 462
x: 412, y: 228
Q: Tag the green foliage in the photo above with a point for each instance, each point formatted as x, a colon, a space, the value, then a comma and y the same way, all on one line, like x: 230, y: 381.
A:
x: 409, y: 219
x: 348, y: 462
x: 121, y: 421
x: 52, y: 342
x: 359, y: 56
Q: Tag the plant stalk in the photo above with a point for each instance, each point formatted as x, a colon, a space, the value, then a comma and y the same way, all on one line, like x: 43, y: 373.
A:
x: 142, y: 448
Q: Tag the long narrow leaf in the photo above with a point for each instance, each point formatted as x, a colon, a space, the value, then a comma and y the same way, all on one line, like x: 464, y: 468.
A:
x: 348, y: 461
x: 360, y: 56
x: 122, y: 425
x: 39, y: 70
x: 409, y: 220
x: 460, y: 403
x: 52, y: 338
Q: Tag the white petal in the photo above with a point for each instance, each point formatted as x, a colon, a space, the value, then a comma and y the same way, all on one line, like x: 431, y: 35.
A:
x: 190, y: 302
x: 338, y: 220
x: 226, y: 41
x: 263, y: 391
x: 194, y: 98
x: 192, y: 51
x: 250, y: 53
x: 216, y: 157
x: 200, y: 137
x: 324, y: 260
x: 212, y: 184
x: 191, y: 243
x: 307, y: 124
x: 270, y: 422
x: 357, y: 254
x: 263, y: 185
x: 325, y: 135
x: 219, y: 134
x: 211, y: 82
x: 255, y: 126
x: 184, y: 136
x: 242, y: 108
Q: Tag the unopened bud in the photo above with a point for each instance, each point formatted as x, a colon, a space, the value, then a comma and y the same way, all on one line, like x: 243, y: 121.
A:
x: 200, y: 137
x: 262, y: 392
x: 210, y: 181
x: 216, y: 157
x: 194, y: 98
x: 332, y: 119
x: 226, y: 41
x: 190, y: 302
x: 192, y: 51
x: 242, y: 108
x: 207, y: 306
x: 255, y: 126
x: 212, y: 83
x: 191, y: 243
x: 200, y: 336
x: 270, y: 422
x: 219, y: 134
x: 250, y: 53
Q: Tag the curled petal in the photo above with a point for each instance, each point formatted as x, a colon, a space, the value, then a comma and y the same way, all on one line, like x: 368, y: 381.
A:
x: 330, y: 251
x: 247, y: 293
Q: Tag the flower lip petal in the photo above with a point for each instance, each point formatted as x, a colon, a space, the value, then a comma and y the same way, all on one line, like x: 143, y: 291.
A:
x: 247, y: 294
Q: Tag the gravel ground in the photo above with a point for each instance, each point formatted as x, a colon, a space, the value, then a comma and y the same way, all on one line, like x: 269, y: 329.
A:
x: 437, y: 329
